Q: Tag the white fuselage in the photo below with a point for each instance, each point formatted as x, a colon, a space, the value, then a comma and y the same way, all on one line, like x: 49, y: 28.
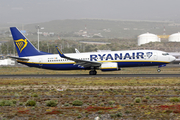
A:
x: 128, y: 58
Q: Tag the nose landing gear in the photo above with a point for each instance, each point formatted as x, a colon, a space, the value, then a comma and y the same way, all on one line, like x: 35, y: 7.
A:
x: 158, y: 70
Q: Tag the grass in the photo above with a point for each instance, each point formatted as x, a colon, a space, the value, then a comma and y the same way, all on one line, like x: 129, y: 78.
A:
x: 87, y: 82
x: 136, y: 70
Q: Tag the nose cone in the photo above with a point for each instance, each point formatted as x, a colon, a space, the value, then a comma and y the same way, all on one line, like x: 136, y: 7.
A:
x: 172, y: 58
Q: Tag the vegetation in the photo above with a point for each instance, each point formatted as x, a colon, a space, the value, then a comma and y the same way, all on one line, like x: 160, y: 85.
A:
x: 30, y: 103
x: 111, y: 102
x: 88, y: 98
x: 21, y: 103
x: 174, y: 99
x: 66, y: 104
x: 137, y: 100
x: 68, y: 46
x: 34, y: 95
x: 7, y: 102
x: 51, y: 103
x: 119, y: 114
x: 77, y: 103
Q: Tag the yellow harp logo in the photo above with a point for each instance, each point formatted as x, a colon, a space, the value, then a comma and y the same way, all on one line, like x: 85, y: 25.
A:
x: 21, y: 44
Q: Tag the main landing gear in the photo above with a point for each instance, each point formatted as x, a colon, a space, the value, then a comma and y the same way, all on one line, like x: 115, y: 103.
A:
x: 93, y: 72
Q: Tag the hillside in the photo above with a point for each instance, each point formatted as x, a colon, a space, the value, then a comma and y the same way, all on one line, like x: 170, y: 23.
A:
x: 108, y: 28
x: 121, y: 34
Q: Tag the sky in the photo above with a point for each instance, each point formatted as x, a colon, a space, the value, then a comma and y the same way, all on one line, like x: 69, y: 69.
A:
x: 35, y: 11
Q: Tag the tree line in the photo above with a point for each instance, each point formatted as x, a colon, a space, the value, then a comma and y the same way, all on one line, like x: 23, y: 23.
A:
x: 68, y: 46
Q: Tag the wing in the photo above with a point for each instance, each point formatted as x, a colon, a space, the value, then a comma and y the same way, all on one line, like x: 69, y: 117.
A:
x: 83, y: 63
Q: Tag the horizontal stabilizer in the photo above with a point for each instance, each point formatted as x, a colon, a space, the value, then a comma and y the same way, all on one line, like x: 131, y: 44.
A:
x: 18, y: 58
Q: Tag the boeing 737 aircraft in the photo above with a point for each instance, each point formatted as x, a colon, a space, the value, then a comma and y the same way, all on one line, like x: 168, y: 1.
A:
x: 105, y: 61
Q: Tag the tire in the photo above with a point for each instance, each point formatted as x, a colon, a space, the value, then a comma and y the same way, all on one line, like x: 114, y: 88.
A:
x: 159, y: 70
x: 92, y: 72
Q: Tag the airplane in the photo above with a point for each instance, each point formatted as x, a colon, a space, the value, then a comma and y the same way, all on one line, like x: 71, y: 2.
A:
x: 104, y: 61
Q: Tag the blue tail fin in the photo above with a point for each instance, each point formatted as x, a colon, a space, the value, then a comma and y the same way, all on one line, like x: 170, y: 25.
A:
x: 23, y: 46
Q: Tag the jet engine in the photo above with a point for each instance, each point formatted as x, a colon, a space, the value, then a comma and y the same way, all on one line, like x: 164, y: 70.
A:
x: 109, y: 66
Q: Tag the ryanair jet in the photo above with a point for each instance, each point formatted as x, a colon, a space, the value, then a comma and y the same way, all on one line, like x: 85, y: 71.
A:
x: 105, y: 61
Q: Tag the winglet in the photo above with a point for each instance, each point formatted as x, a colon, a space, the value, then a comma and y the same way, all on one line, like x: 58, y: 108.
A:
x: 77, y: 51
x: 60, y: 52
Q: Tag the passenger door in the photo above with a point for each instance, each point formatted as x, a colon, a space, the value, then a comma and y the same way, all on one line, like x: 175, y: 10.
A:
x: 40, y: 62
x: 155, y: 56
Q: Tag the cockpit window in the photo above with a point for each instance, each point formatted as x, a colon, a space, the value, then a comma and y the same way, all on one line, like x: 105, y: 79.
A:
x: 165, y: 53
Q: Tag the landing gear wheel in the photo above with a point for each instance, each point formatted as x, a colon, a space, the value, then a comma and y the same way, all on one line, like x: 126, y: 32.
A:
x: 159, y: 70
x: 92, y: 72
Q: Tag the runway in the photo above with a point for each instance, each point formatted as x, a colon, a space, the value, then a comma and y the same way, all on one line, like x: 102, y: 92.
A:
x: 86, y: 75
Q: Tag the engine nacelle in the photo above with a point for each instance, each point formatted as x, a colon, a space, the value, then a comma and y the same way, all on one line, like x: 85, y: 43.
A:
x: 109, y: 66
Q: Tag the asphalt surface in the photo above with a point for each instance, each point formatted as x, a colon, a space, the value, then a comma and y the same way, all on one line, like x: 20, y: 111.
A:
x: 87, y: 75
